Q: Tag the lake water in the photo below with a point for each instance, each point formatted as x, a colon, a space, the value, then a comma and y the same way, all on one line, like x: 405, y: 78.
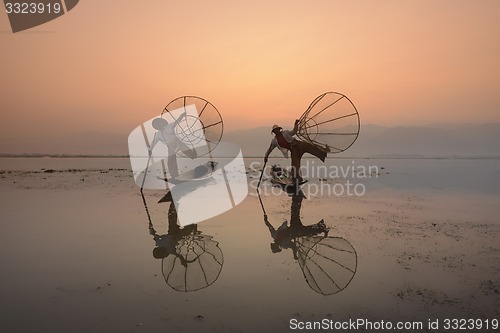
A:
x: 481, y: 175
x: 82, y: 251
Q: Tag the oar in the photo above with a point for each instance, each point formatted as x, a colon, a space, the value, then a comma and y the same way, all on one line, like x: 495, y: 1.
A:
x: 152, y: 230
x: 261, y: 204
x: 145, y: 172
x: 260, y: 178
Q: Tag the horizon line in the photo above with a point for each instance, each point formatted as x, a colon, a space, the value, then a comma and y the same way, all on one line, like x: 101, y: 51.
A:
x: 379, y: 156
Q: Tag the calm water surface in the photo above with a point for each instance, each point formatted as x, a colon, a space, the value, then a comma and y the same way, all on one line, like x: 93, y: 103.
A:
x: 97, y: 257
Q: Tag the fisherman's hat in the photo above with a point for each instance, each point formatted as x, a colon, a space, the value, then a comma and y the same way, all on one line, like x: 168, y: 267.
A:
x: 159, y: 123
x: 275, y: 127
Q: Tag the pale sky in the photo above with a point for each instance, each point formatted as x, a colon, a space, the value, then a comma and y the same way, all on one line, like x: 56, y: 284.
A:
x: 110, y: 65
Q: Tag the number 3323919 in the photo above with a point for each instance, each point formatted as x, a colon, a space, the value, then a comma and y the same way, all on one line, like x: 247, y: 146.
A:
x: 32, y: 8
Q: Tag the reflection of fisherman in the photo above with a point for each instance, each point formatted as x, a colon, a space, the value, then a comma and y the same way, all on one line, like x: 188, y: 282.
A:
x: 166, y: 134
x: 285, y: 236
x: 285, y: 142
x: 190, y: 260
x: 166, y: 244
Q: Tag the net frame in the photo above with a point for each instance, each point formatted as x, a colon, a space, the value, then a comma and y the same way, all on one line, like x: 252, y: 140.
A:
x: 329, y: 283
x: 208, y: 116
x: 309, y: 127
x: 193, y: 250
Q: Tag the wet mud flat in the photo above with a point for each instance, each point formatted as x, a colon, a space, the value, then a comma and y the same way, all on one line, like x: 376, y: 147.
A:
x: 77, y: 255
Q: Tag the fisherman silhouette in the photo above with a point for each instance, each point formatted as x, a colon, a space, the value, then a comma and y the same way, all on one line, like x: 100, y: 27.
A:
x: 284, y: 140
x: 190, y: 260
x: 285, y: 237
x: 165, y: 133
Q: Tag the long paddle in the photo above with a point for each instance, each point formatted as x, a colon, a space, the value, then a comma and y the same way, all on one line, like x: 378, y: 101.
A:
x: 146, y: 172
x: 260, y: 178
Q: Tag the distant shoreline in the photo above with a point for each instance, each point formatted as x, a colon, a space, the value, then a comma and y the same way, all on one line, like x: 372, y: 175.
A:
x: 374, y: 157
x: 60, y: 156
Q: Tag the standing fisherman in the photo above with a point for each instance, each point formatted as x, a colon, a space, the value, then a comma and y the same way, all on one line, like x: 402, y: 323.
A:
x: 285, y: 142
x: 166, y: 134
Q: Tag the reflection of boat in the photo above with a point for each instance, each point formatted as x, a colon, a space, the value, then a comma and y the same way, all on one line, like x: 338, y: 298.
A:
x: 328, y: 263
x: 190, y: 259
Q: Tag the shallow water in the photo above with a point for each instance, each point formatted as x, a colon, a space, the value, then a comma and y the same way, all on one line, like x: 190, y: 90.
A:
x: 77, y: 250
x: 480, y: 175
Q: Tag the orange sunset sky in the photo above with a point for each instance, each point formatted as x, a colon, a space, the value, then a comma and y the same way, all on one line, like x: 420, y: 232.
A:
x: 110, y: 65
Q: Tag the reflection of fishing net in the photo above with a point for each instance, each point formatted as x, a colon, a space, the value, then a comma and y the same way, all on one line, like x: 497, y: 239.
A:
x: 196, y: 264
x: 202, y: 129
x: 331, y: 119
x: 328, y: 264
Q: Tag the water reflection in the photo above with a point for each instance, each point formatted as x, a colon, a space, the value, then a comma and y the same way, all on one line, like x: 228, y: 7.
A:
x: 328, y: 263
x: 190, y: 260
